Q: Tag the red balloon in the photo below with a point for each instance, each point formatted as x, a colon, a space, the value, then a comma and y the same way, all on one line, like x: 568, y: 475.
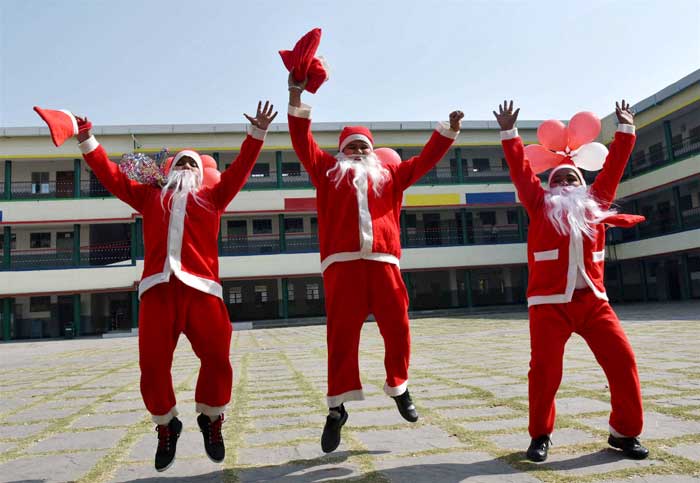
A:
x: 553, y: 135
x: 541, y: 159
x: 388, y: 156
x: 211, y: 177
x: 208, y: 161
x: 584, y: 128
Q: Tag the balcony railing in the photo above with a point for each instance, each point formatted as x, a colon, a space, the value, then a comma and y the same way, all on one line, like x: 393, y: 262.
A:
x: 56, y: 258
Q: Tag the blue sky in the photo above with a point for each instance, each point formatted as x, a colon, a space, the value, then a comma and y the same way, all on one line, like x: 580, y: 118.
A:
x: 208, y: 61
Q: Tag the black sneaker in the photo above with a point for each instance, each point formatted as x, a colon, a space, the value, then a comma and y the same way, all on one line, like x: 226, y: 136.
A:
x: 213, y: 439
x: 167, y: 443
x: 631, y: 447
x: 331, y: 431
x: 406, y: 407
x: 538, y: 448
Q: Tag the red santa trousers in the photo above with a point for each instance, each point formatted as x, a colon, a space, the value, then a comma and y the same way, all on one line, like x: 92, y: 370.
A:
x: 593, y: 319
x: 167, y: 310
x: 354, y: 289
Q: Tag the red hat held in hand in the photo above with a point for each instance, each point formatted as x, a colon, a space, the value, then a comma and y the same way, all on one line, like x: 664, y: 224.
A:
x: 301, y: 62
x: 62, y: 124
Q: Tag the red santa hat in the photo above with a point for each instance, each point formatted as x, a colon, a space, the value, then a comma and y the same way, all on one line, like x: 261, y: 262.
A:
x: 355, y: 133
x: 62, y: 124
x: 567, y: 165
x: 170, y: 162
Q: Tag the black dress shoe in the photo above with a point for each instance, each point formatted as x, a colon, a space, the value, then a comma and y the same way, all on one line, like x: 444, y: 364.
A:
x: 406, y: 407
x: 167, y: 443
x: 331, y: 431
x: 631, y: 447
x: 538, y: 448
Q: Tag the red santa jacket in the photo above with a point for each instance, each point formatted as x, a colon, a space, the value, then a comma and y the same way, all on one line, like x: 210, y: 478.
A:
x: 356, y: 223
x: 183, y: 240
x: 554, y: 260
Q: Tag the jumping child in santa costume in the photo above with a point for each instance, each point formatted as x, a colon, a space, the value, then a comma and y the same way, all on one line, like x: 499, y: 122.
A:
x: 565, y: 251
x: 180, y: 290
x: 359, y: 203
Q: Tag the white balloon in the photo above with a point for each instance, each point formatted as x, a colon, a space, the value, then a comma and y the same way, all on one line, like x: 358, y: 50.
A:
x: 591, y: 156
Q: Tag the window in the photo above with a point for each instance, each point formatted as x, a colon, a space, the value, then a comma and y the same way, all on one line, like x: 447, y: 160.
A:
x: 504, y: 164
x: 314, y: 225
x: 39, y: 304
x: 39, y: 240
x: 262, y: 227
x: 291, y: 169
x: 694, y: 134
x: 260, y: 294
x: 487, y: 217
x: 312, y: 291
x: 294, y: 225
x: 40, y: 182
x: 235, y: 295
x: 656, y: 153
x: 261, y: 170
x: 290, y: 292
x: 483, y: 286
x: 512, y: 217
x: 481, y: 164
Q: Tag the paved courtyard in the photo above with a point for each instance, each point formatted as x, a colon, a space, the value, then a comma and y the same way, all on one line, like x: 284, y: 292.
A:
x: 71, y: 410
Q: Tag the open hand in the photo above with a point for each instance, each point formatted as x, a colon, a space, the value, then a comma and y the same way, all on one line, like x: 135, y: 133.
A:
x: 264, y: 116
x: 456, y: 120
x: 625, y: 114
x: 84, y: 126
x: 506, y: 117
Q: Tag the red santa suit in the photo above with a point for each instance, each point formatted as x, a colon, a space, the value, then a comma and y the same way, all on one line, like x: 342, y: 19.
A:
x: 180, y: 290
x: 360, y: 245
x: 566, y: 294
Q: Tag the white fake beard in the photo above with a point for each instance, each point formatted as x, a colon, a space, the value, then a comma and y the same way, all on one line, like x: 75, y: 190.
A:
x: 572, y: 210
x: 181, y: 183
x: 368, y: 164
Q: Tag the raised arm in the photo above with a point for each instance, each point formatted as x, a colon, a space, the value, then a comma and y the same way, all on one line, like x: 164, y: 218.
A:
x: 235, y: 177
x: 129, y: 191
x: 605, y: 185
x: 528, y: 185
x: 315, y: 160
x: 411, y: 170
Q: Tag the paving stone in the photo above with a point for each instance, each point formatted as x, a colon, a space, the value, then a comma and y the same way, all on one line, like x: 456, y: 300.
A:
x: 580, y: 405
x: 19, y: 431
x: 689, y: 451
x: 286, y: 410
x: 407, y: 440
x: 487, y: 412
x: 268, y: 436
x: 279, y: 454
x: 121, y: 405
x: 448, y: 403
x: 199, y: 470
x: 656, y: 426
x: 190, y: 444
x: 102, y: 439
x: 280, y: 421
x: 298, y: 473
x: 7, y: 447
x: 451, y: 467
x: 497, y: 425
x: 657, y: 479
x: 115, y: 419
x: 382, y: 417
x: 49, y: 469
x: 603, y: 461
x: 41, y: 414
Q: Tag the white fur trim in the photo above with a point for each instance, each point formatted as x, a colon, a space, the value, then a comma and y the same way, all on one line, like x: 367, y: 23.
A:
x: 599, y: 256
x: 364, y: 216
x: 164, y: 419
x: 192, y: 154
x: 566, y: 166
x: 210, y: 410
x: 444, y: 129
x: 73, y: 120
x: 89, y: 145
x: 354, y: 395
x: 303, y: 111
x: 256, y: 132
x: 355, y: 137
x: 173, y: 257
x: 625, y: 128
x: 546, y: 255
x: 395, y: 391
x: 509, y: 134
x: 349, y: 256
